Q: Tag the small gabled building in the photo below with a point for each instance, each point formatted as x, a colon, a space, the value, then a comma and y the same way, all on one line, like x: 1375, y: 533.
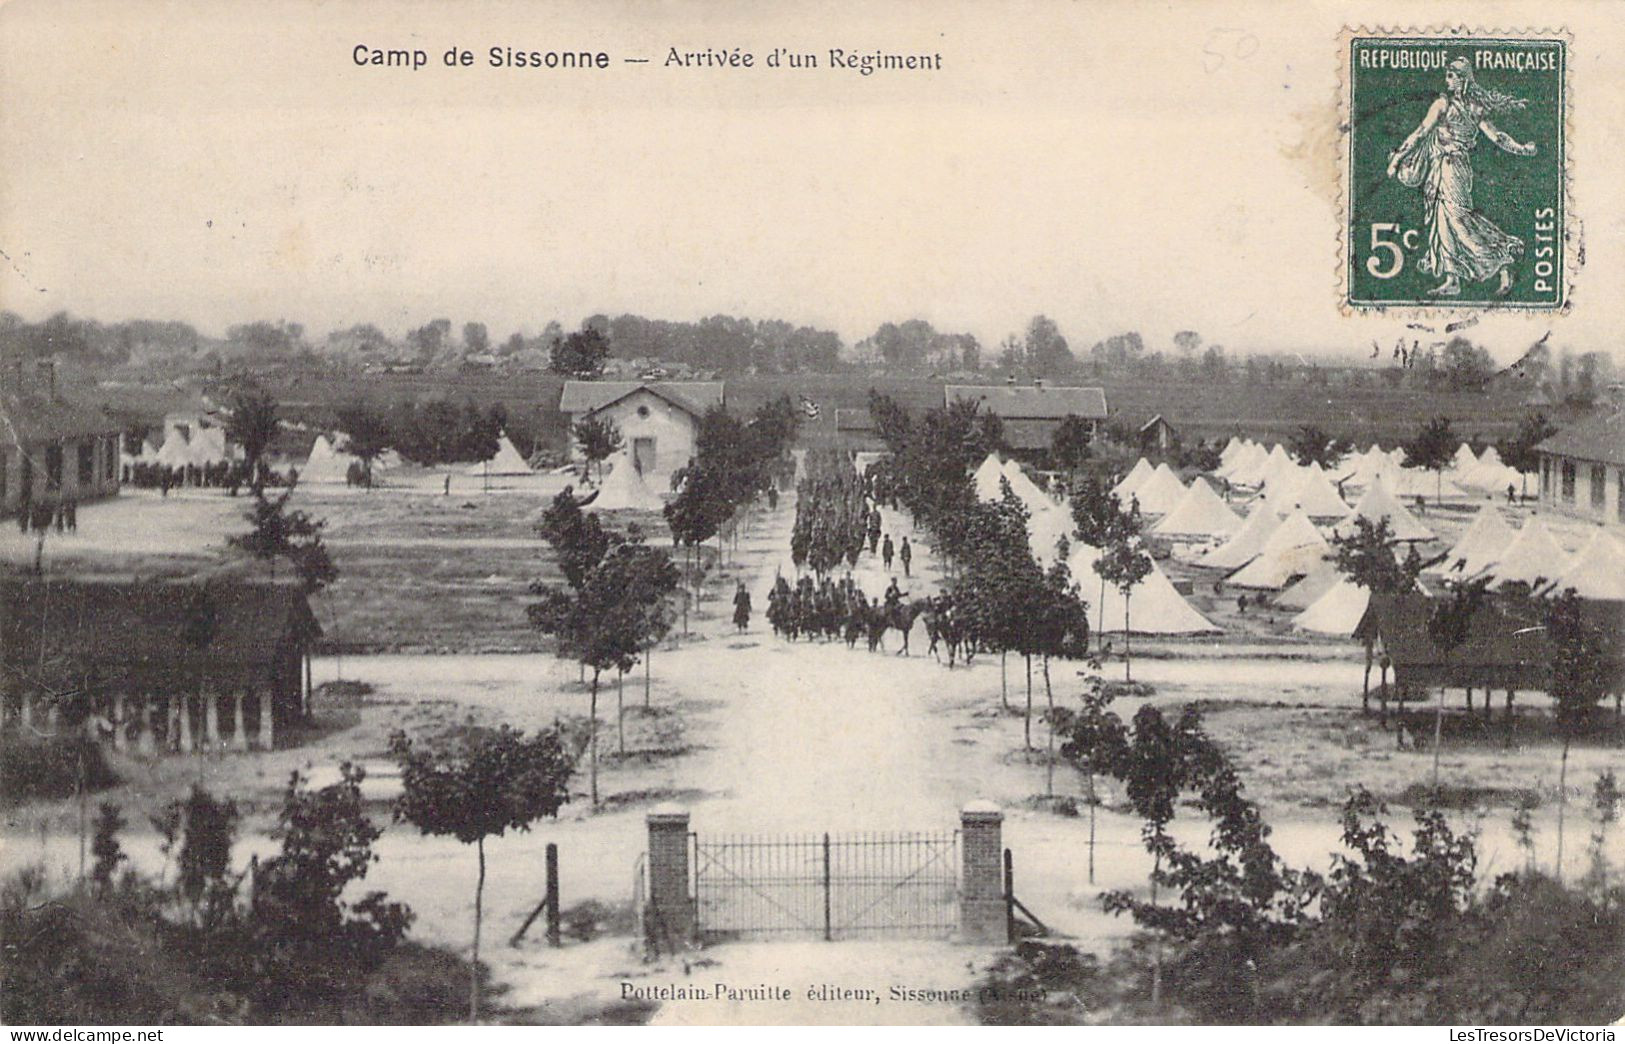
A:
x: 1031, y: 412
x: 659, y: 420
x: 1157, y: 434
x: 1582, y: 469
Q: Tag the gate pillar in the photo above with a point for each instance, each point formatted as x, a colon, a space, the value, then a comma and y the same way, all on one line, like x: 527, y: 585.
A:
x: 671, y: 908
x: 982, y: 916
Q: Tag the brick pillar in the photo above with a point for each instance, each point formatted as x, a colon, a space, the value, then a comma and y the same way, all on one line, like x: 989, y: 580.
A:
x: 143, y: 733
x: 982, y: 917
x: 670, y: 918
x: 121, y: 722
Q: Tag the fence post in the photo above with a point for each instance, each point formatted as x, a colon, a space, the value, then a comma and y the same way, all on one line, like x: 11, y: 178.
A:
x: 1009, y: 896
x: 982, y: 914
x: 828, y: 934
x: 672, y: 923
x: 552, y: 894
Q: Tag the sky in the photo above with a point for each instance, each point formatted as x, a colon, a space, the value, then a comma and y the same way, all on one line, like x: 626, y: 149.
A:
x: 1115, y: 166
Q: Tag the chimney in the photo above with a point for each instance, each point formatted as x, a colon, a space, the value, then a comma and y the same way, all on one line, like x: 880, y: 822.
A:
x: 1038, y: 382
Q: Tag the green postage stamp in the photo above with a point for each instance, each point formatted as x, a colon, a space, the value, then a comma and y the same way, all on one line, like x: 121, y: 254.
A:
x: 1455, y: 177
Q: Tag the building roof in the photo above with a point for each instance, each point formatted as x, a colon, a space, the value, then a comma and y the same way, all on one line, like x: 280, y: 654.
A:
x: 1500, y: 650
x: 31, y: 418
x: 694, y: 397
x: 1026, y: 402
x: 1154, y: 421
x: 143, y: 625
x: 1600, y: 439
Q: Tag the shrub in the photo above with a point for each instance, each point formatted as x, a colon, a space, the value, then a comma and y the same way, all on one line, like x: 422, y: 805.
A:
x: 48, y: 767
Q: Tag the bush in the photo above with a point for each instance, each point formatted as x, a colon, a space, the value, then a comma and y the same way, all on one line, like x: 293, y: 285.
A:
x: 48, y: 767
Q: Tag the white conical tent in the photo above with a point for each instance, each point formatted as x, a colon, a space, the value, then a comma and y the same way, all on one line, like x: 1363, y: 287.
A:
x: 1377, y: 504
x: 1294, y: 549
x: 1490, y: 475
x: 1160, y: 493
x: 176, y: 452
x: 209, y: 446
x: 986, y: 479
x: 1199, y: 513
x: 1231, y: 448
x: 1132, y: 481
x: 1304, y: 592
x: 1248, y: 467
x: 1533, y: 557
x: 1598, y: 572
x: 1481, y: 546
x: 1338, y: 611
x: 507, y: 460
x: 1314, y: 495
x: 1248, y: 541
x: 1045, y: 529
x: 624, y: 489
x: 1420, y: 482
x: 1154, y: 606
x: 325, y: 463
x: 1026, y: 489
x: 1465, y: 459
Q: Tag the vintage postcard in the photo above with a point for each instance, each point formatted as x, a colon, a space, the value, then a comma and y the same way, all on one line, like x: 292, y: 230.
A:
x: 869, y: 513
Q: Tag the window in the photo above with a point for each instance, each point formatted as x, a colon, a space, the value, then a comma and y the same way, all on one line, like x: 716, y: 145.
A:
x: 1568, y: 480
x: 110, y: 459
x: 53, y: 468
x: 1599, y: 486
x: 87, y: 464
x: 1619, y: 495
x: 1545, y: 477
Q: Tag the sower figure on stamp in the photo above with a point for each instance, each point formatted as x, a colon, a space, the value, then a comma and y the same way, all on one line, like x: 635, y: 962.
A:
x: 1437, y: 156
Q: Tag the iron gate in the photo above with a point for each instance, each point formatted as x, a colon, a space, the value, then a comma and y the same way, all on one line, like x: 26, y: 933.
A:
x: 829, y: 886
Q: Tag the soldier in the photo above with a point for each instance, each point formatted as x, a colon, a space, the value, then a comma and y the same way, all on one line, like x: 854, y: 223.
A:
x: 905, y: 554
x: 886, y: 554
x: 741, y: 607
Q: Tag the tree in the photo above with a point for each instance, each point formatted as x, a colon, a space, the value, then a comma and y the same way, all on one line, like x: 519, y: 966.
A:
x: 580, y: 355
x: 1582, y: 671
x: 1124, y: 565
x: 367, y: 433
x: 1058, y: 625
x: 1449, y: 624
x: 476, y: 339
x: 607, y: 621
x: 301, y: 920
x: 1433, y: 447
x: 279, y: 532
x: 251, y: 423
x: 1046, y: 351
x: 1310, y: 445
x: 1187, y: 341
x: 1366, y: 557
x: 483, y: 784
x: 598, y: 438
x: 1069, y: 444
x: 1518, y: 451
x: 1241, y: 899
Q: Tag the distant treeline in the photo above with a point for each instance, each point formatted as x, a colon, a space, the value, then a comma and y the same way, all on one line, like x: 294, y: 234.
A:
x: 722, y: 345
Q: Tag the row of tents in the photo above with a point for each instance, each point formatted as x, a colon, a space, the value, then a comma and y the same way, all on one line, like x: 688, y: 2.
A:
x: 1246, y: 463
x: 1155, y: 605
x: 196, y: 446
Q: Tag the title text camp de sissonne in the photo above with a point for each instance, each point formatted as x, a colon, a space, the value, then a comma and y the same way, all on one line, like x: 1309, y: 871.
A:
x: 862, y: 62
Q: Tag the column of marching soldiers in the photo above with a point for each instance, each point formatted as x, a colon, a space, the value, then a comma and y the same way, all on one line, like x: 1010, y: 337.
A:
x: 837, y: 521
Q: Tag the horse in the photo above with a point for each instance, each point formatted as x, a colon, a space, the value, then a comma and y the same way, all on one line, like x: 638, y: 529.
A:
x: 902, y: 617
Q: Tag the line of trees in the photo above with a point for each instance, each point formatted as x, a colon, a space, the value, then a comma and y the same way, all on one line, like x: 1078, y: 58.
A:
x: 615, y: 606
